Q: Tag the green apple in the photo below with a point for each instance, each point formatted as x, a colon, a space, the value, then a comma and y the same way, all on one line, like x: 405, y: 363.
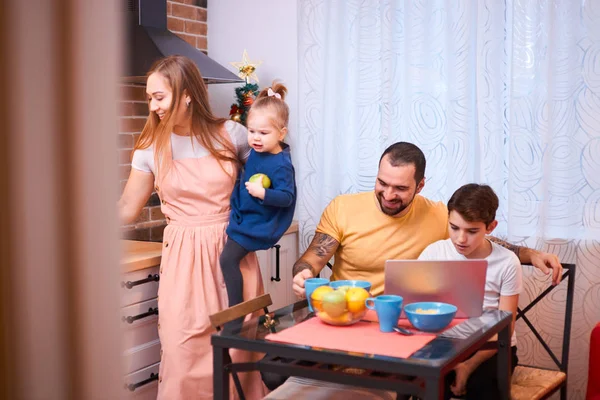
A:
x: 344, y: 289
x: 334, y: 303
x: 266, y: 182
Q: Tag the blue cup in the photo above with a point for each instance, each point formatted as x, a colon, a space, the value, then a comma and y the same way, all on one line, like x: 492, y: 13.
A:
x: 388, y: 308
x: 310, y: 285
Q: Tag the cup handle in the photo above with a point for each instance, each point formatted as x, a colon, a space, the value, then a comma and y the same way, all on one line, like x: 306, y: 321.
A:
x: 371, y: 305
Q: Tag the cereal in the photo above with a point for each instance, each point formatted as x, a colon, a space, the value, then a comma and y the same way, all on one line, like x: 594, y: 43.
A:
x: 430, y: 311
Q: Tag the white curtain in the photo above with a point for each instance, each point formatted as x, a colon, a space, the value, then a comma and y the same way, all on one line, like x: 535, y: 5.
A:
x: 499, y: 92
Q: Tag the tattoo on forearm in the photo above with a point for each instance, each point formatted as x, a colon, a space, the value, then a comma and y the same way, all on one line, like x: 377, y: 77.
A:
x: 301, y: 266
x: 512, y: 247
x: 322, y: 245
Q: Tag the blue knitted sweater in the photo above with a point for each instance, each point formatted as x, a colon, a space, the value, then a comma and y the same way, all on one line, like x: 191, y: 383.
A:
x: 259, y: 224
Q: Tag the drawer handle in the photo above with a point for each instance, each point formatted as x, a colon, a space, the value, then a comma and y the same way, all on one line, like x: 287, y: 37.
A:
x: 132, y: 386
x: 131, y: 319
x: 277, y: 278
x: 150, y: 278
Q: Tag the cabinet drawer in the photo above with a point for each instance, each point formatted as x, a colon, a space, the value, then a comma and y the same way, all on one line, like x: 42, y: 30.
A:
x: 142, y: 356
x: 147, y: 391
x: 143, y: 330
x: 139, y: 291
x: 280, y: 290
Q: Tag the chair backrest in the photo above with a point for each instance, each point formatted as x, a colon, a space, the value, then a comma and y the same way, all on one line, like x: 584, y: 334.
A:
x: 569, y: 274
x: 217, y: 320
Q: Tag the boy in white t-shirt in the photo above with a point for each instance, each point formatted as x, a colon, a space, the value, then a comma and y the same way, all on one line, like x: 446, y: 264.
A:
x: 472, y: 216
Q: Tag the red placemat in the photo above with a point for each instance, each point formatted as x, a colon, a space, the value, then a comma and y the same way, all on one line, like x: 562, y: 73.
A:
x: 362, y: 337
x: 371, y: 315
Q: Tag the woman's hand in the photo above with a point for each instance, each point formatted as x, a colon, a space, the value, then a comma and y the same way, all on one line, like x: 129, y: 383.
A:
x: 256, y: 189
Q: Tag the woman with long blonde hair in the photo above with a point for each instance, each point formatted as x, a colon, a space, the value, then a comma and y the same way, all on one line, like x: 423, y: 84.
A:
x: 191, y: 158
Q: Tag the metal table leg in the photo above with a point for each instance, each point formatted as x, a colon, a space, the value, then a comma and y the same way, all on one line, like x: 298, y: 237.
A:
x: 434, y: 388
x: 220, y: 375
x: 504, y: 354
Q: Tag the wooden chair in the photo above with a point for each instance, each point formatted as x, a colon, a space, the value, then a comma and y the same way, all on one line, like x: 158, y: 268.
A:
x: 218, y: 320
x: 533, y: 383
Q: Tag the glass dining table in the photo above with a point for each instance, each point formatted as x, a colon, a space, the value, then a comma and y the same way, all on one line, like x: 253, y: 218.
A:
x: 422, y: 374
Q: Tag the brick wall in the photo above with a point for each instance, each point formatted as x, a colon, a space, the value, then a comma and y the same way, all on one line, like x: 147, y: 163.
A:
x: 187, y: 19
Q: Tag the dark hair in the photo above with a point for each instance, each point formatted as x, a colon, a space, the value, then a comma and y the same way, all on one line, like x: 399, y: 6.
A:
x: 475, y: 203
x: 404, y: 153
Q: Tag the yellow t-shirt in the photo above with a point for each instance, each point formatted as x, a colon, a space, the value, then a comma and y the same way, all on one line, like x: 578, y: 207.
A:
x: 368, y: 237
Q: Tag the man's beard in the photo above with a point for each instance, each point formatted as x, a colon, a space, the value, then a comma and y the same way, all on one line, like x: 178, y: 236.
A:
x: 393, y: 211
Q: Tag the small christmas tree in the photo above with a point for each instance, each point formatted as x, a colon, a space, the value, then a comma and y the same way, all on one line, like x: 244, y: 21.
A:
x: 245, y: 97
x: 246, y: 94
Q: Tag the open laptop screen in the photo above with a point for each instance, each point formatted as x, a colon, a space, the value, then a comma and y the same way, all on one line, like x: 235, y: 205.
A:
x: 461, y: 283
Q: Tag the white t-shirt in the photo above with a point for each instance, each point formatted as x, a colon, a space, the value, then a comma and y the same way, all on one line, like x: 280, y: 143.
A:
x: 184, y: 147
x: 504, y: 275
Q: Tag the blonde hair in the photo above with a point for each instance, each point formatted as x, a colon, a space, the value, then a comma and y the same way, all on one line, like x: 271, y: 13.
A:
x: 278, y: 106
x: 183, y: 76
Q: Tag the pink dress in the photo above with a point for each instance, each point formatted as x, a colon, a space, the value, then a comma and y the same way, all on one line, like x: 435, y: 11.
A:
x: 195, y: 199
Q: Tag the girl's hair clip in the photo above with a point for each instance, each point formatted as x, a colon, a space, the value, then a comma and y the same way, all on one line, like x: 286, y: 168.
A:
x: 270, y: 93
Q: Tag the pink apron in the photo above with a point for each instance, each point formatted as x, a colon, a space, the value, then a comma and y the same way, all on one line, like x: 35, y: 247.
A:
x: 195, y: 199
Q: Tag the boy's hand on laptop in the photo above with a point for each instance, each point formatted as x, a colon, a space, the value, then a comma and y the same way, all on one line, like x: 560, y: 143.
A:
x: 298, y: 282
x: 546, y: 262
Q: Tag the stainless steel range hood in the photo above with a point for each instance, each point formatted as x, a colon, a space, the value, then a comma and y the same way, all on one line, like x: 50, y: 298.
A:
x: 148, y: 39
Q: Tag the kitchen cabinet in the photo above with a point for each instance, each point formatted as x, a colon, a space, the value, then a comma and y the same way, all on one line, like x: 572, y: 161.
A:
x: 276, y: 268
x: 139, y: 316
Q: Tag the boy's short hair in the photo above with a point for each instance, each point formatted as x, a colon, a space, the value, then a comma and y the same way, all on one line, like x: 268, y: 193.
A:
x: 475, y: 203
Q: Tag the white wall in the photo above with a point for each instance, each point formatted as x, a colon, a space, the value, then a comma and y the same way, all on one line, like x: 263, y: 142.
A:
x: 267, y: 29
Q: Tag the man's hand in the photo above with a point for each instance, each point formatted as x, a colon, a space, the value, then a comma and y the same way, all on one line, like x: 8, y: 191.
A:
x: 256, y: 189
x: 545, y: 262
x: 298, y: 282
x: 542, y: 261
x: 321, y: 249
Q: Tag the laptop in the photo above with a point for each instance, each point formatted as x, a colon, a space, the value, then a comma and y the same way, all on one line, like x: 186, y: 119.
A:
x: 461, y: 283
